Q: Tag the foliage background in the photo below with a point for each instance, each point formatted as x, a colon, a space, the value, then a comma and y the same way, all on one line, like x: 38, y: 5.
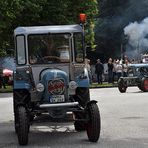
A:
x: 16, y: 13
x: 106, y: 20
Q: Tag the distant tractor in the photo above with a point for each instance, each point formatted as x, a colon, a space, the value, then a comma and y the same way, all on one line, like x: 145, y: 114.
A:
x: 137, y: 76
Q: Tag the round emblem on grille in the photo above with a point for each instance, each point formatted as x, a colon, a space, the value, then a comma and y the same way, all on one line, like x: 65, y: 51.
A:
x: 56, y: 86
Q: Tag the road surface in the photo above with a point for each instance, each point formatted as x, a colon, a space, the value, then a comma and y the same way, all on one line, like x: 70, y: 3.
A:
x: 124, y: 119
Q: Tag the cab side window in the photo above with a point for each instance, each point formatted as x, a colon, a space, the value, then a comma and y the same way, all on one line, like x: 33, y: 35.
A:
x: 20, y: 49
x: 78, y: 45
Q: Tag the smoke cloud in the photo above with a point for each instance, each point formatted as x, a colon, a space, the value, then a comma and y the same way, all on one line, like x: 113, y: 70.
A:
x: 129, y: 17
x: 138, y: 34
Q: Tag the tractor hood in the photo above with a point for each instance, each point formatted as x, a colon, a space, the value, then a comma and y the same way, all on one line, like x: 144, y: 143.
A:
x: 55, y: 82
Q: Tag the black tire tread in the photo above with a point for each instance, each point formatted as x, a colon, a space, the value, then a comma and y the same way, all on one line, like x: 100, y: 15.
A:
x: 122, y: 89
x: 121, y: 85
x: 142, y: 85
x: 23, y: 126
x: 94, y: 135
x: 16, y: 122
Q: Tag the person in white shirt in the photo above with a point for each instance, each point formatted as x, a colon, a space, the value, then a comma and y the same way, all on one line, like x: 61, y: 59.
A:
x: 118, y: 69
x: 87, y: 65
x: 125, y: 68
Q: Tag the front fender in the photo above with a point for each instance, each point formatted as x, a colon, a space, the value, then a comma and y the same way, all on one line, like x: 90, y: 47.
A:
x: 21, y: 85
x: 83, y: 79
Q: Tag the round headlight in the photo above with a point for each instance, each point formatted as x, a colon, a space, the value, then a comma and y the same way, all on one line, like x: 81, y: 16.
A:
x: 73, y: 85
x: 40, y: 87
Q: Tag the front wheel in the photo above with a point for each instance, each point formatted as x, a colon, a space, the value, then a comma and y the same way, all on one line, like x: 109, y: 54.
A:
x: 16, y: 124
x: 93, y: 126
x: 122, y: 89
x: 121, y: 86
x: 23, y: 126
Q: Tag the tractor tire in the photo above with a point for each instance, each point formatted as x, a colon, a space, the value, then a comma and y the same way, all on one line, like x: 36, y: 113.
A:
x: 121, y: 86
x: 23, y: 128
x: 16, y: 124
x: 144, y: 85
x: 122, y: 89
x: 82, y: 96
x: 93, y: 126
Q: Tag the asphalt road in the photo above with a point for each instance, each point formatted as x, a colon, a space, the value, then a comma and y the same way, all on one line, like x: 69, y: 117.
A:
x: 124, y: 119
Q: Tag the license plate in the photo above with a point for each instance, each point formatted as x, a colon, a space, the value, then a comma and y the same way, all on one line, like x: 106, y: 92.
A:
x: 57, y: 98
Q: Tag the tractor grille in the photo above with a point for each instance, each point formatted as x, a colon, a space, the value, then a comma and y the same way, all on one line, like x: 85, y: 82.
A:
x: 56, y: 86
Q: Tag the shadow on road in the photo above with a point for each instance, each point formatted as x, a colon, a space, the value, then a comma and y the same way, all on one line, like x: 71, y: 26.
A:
x: 63, y: 136
x: 5, y: 95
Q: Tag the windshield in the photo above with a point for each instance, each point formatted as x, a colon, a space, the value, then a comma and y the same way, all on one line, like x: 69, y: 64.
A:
x: 48, y: 48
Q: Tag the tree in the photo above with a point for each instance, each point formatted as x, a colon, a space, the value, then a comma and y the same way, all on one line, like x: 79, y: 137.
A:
x: 43, y: 12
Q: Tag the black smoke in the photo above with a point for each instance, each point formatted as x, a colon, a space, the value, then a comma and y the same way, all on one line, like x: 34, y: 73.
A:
x: 112, y: 21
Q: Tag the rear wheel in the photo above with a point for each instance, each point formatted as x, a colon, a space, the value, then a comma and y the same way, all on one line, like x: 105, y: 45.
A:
x: 23, y: 126
x: 93, y: 126
x: 144, y: 85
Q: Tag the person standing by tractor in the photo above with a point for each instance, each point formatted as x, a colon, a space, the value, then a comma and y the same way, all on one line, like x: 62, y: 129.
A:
x: 2, y: 81
x: 88, y: 67
x: 118, y: 69
x: 125, y: 68
x: 110, y: 70
x: 99, y: 68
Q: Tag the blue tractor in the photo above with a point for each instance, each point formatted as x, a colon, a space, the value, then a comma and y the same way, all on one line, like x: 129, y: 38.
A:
x: 51, y: 79
x: 137, y: 75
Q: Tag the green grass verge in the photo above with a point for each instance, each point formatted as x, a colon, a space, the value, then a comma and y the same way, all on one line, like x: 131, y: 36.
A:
x: 8, y: 89
x: 94, y: 85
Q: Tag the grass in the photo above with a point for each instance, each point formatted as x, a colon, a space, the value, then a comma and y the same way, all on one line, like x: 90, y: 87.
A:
x: 8, y: 89
x: 93, y: 85
x: 105, y: 84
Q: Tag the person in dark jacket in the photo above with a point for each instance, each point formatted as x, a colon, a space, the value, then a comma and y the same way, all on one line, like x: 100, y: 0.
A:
x: 2, y: 81
x: 99, y: 69
x: 110, y: 70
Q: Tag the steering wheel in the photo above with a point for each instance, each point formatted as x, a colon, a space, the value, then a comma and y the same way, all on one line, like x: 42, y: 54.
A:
x: 52, y: 58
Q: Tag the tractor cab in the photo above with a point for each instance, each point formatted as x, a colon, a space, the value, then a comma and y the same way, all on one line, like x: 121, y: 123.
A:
x: 51, y: 79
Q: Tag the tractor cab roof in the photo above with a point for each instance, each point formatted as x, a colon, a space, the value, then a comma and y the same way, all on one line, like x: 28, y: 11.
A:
x: 138, y: 65
x: 48, y: 29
